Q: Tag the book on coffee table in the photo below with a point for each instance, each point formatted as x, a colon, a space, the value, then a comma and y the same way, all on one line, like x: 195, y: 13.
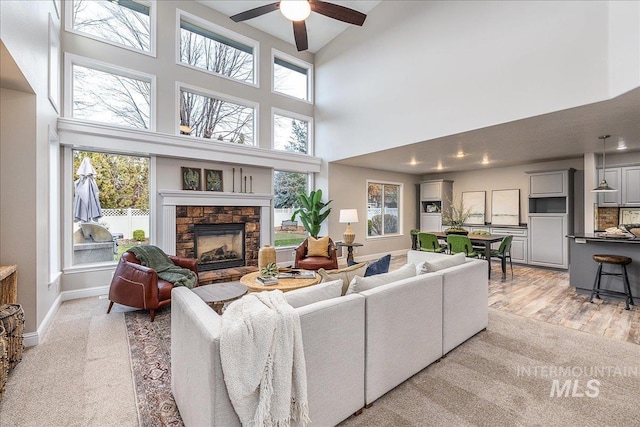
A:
x: 298, y: 274
x: 267, y: 280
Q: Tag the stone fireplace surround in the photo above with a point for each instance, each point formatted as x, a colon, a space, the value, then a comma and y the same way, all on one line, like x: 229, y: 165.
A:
x: 182, y: 209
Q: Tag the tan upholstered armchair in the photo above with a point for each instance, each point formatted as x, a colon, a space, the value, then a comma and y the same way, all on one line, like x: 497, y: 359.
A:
x: 138, y: 286
x: 316, y: 262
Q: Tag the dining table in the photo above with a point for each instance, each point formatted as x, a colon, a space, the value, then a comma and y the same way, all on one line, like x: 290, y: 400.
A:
x: 484, y: 240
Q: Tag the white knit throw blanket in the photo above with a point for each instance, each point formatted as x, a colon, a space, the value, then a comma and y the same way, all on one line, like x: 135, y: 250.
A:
x: 263, y: 360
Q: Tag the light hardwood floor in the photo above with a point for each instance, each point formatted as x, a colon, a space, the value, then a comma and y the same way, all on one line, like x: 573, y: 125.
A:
x: 545, y: 294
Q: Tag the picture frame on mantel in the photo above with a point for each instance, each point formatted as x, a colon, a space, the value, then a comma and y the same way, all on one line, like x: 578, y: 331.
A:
x: 191, y: 178
x: 505, y: 207
x: 213, y: 180
x: 475, y: 202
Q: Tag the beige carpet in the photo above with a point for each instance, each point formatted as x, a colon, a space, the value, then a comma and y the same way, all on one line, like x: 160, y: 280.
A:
x: 478, y: 383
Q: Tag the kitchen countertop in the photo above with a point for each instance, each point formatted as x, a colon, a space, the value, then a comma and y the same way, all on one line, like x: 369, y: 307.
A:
x: 598, y: 237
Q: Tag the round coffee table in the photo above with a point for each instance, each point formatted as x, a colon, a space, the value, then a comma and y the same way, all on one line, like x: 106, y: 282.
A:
x: 217, y: 294
x: 284, y: 284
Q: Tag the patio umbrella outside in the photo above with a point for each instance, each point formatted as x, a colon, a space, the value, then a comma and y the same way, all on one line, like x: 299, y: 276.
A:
x: 86, y: 203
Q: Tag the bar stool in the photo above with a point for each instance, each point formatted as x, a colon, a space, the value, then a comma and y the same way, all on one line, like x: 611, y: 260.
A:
x: 622, y: 261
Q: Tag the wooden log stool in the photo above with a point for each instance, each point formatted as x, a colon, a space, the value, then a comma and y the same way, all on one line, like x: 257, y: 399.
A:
x: 12, y: 319
x: 622, y: 261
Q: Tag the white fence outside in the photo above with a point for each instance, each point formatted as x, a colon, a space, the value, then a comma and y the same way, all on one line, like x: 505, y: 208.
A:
x: 280, y: 215
x: 125, y: 221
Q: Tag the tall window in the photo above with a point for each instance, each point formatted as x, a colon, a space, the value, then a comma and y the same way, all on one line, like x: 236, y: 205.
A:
x: 383, y: 208
x: 214, y: 117
x: 123, y: 201
x: 217, y: 50
x: 110, y: 95
x: 292, y: 76
x: 291, y: 132
x: 286, y: 187
x: 126, y: 23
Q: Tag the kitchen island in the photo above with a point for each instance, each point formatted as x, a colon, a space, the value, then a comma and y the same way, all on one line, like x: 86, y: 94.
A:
x: 582, y: 267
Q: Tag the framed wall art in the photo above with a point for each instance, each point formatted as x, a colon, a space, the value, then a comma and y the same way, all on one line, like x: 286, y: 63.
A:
x: 505, y: 207
x: 213, y: 180
x: 475, y: 201
x: 191, y: 178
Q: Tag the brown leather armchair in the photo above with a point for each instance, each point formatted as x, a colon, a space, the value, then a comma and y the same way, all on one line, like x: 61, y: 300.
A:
x: 316, y: 262
x: 138, y: 286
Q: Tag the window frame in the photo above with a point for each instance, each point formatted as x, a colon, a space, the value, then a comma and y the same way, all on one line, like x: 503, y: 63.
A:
x: 224, y: 32
x: 67, y: 211
x: 294, y: 116
x: 71, y: 59
x: 223, y: 97
x: 275, y: 53
x: 400, y: 193
x: 310, y: 185
x: 153, y: 25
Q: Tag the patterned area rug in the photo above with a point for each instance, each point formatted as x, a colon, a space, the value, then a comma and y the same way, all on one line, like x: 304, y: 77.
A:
x: 150, y: 347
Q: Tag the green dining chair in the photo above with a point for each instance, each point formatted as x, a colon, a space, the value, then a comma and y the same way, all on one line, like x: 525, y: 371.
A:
x: 429, y: 243
x: 458, y: 243
x: 504, y: 252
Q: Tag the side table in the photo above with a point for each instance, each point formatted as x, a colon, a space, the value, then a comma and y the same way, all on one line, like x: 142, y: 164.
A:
x: 217, y: 294
x: 349, y: 249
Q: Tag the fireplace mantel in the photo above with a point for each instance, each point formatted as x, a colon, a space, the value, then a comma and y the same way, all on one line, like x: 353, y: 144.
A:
x: 169, y: 199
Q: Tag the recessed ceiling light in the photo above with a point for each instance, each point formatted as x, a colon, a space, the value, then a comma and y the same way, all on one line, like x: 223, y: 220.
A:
x: 622, y: 145
x: 413, y: 162
x: 485, y: 160
x: 460, y: 154
x: 439, y: 167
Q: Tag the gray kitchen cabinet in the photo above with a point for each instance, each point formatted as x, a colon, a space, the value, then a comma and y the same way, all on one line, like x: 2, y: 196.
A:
x: 630, y: 187
x: 548, y: 245
x: 434, y: 199
x: 430, y: 222
x: 436, y: 190
x: 548, y: 184
x: 613, y: 177
x: 519, y: 244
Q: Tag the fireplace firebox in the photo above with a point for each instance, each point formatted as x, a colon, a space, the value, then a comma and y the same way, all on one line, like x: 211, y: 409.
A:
x: 219, y: 245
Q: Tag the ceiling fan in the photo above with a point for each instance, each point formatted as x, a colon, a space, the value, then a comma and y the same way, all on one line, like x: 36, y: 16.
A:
x: 298, y: 10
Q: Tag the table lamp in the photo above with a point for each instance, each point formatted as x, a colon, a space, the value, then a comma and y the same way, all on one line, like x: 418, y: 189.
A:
x: 348, y: 216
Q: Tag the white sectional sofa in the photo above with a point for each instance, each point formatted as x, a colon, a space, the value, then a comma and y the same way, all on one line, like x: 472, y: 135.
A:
x: 357, y: 347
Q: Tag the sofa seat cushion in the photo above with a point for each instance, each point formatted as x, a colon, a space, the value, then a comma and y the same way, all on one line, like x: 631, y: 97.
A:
x: 376, y: 267
x: 309, y: 295
x: 440, y: 264
x: 359, y: 284
x: 164, y: 290
x: 346, y: 274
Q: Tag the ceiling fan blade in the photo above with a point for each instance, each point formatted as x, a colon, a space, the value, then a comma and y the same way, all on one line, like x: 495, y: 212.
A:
x: 300, y: 34
x: 254, y: 13
x: 338, y: 12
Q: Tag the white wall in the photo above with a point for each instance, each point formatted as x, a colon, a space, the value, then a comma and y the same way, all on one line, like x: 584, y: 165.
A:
x: 422, y: 69
x: 24, y: 186
x: 624, y: 46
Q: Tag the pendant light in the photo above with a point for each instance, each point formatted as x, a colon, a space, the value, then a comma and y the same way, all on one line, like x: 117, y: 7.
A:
x: 604, y: 186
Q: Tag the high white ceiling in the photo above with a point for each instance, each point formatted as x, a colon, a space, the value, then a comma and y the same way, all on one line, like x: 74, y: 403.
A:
x: 320, y: 29
x: 554, y: 136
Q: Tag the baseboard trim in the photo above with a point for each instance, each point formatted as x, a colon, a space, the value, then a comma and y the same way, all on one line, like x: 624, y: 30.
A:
x: 31, y: 339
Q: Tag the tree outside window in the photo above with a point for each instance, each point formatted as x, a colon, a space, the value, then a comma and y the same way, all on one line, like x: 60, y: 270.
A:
x: 383, y: 212
x: 286, y: 187
x: 291, y: 79
x: 290, y: 134
x: 123, y: 185
x: 123, y: 22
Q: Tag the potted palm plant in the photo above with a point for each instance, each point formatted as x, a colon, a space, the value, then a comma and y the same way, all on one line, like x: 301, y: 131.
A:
x: 455, y: 217
x: 312, y: 211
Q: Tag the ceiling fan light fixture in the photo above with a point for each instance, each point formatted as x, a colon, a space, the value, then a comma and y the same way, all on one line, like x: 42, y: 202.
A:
x: 604, y: 186
x: 295, y: 10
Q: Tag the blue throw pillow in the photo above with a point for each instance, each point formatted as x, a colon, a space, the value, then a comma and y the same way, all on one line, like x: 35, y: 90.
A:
x: 377, y: 267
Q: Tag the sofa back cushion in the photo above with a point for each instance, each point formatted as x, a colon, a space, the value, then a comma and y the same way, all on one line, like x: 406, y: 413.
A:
x: 441, y: 263
x: 376, y: 267
x: 314, y: 293
x: 346, y: 274
x: 359, y: 284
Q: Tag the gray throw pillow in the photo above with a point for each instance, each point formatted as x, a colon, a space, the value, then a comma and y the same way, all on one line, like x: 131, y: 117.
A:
x: 442, y: 263
x: 314, y: 293
x: 359, y: 284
